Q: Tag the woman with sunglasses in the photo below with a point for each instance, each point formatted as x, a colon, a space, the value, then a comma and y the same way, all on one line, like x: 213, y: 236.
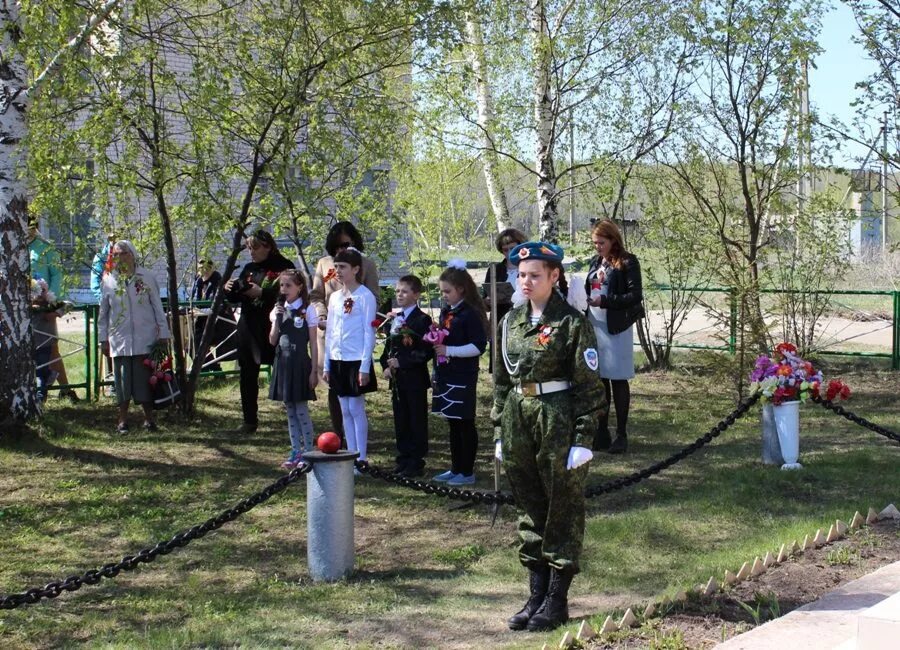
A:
x: 256, y: 288
x: 341, y: 236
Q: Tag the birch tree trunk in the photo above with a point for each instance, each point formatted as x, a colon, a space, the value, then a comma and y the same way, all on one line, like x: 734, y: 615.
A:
x: 485, y: 118
x: 18, y: 395
x: 544, y: 123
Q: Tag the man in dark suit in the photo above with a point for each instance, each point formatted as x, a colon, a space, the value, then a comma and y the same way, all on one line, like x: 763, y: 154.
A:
x: 405, y: 364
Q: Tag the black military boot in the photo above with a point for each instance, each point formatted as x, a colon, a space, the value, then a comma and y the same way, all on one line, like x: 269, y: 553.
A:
x: 555, y: 609
x: 619, y: 445
x: 538, y: 581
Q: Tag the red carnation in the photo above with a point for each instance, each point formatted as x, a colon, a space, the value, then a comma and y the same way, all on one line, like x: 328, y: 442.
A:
x: 271, y: 275
x: 378, y: 322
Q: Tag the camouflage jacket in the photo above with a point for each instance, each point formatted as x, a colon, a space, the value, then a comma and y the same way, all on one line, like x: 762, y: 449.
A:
x: 561, y: 347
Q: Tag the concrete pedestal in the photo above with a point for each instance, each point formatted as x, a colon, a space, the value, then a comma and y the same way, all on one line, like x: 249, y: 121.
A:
x: 329, y: 512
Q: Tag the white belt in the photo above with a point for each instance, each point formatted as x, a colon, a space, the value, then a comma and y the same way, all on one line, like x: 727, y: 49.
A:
x: 533, y: 390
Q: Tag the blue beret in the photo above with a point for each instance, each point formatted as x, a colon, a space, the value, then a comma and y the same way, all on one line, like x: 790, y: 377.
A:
x: 536, y: 250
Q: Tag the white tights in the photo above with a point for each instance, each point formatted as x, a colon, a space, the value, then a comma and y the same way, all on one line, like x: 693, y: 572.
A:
x: 356, y: 424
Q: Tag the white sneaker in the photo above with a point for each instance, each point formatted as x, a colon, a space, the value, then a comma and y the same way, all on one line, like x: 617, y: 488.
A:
x: 445, y: 476
x: 462, y: 479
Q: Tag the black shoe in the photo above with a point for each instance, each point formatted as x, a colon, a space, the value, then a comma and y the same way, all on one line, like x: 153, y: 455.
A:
x: 122, y: 427
x: 602, y: 441
x: 150, y: 426
x: 249, y: 427
x: 412, y: 471
x: 71, y: 394
x: 554, y: 611
x: 619, y: 445
x: 538, y: 581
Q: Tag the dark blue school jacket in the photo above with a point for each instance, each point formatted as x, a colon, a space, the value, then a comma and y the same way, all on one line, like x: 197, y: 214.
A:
x: 465, y: 326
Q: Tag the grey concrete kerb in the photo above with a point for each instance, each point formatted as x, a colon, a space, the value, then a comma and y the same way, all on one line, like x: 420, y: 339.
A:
x: 829, y: 622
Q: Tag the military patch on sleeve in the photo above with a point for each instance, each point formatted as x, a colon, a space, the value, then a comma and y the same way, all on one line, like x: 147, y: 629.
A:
x: 591, y: 359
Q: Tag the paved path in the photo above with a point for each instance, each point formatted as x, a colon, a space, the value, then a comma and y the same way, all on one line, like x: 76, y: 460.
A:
x: 829, y: 622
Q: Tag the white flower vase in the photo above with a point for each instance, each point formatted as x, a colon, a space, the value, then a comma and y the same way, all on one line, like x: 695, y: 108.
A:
x: 787, y: 423
x: 771, y: 449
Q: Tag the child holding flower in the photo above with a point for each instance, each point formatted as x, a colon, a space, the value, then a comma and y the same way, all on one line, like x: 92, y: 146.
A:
x: 295, y: 375
x: 455, y: 379
x: 405, y: 364
x: 349, y: 344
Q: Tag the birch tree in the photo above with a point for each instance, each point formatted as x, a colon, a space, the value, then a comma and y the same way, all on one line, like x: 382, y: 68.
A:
x: 484, y: 102
x: 558, y: 66
x: 18, y: 399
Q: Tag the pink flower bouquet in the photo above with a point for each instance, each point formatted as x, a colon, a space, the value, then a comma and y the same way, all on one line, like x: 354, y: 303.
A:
x: 436, y: 336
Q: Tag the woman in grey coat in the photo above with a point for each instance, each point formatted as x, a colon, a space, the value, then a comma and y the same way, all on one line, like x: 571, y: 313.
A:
x: 131, y: 320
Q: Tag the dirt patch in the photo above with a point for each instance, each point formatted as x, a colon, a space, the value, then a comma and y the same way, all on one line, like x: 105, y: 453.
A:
x: 703, y: 622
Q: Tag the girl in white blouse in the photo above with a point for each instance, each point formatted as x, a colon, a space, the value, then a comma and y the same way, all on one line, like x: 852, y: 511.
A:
x: 349, y: 344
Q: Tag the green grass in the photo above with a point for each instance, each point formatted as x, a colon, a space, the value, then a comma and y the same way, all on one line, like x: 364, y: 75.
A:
x: 73, y: 497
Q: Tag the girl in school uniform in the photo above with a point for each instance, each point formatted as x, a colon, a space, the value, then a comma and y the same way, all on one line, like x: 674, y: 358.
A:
x: 295, y: 374
x: 349, y: 344
x: 456, y: 369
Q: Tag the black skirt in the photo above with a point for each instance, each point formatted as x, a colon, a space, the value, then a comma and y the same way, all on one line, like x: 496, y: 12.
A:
x: 344, y: 379
x: 290, y: 376
x: 453, y: 395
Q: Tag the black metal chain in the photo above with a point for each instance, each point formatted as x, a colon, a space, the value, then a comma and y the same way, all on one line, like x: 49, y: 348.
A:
x: 853, y: 417
x: 610, y: 486
x: 656, y: 468
x: 130, y: 562
x: 475, y: 496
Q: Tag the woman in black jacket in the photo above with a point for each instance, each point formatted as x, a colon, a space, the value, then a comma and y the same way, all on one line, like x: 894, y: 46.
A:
x: 615, y: 302
x: 256, y: 289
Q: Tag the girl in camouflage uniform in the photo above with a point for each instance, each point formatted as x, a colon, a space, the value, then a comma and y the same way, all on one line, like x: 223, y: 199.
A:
x: 547, y: 399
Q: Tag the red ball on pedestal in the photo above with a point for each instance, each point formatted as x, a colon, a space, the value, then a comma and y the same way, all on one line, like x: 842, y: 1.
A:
x: 328, y: 442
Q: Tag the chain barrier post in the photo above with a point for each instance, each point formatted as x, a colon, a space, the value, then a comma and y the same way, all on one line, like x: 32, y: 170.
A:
x: 329, y: 514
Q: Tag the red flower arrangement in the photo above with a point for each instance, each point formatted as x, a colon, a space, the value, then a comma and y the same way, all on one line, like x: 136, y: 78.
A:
x: 378, y: 322
x: 785, y: 377
x: 159, y: 362
x: 836, y: 388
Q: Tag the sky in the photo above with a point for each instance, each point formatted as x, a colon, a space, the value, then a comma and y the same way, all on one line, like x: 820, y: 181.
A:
x: 838, y: 68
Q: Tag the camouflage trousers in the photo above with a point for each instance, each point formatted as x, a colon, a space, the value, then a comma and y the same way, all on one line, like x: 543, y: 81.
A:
x: 537, y: 434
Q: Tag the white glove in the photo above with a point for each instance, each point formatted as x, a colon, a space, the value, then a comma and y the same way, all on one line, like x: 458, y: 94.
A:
x: 578, y: 456
x: 498, y: 450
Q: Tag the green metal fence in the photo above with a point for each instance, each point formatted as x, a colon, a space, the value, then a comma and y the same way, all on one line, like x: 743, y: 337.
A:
x: 733, y: 321
x: 95, y: 376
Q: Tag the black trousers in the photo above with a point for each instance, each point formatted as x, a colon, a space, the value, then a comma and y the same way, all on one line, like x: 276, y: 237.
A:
x: 463, y: 446
x: 410, y: 408
x: 249, y: 384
